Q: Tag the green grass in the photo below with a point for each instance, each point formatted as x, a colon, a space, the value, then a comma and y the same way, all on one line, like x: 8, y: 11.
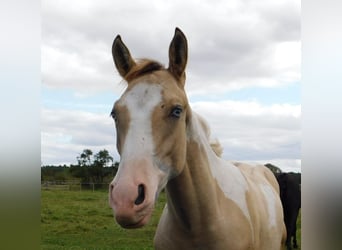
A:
x: 78, y: 220
x: 83, y: 220
x: 299, y: 229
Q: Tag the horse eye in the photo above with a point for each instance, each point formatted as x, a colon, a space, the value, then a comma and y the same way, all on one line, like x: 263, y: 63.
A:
x: 176, y: 111
x: 113, y: 115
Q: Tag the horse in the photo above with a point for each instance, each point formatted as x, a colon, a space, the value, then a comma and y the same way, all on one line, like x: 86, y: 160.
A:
x: 290, y: 196
x: 211, y: 203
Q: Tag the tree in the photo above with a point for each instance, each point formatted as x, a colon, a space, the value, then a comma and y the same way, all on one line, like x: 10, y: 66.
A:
x: 115, y: 168
x: 82, y: 169
x: 101, y: 160
x: 53, y: 173
x: 84, y: 158
x: 80, y: 172
x: 93, y: 168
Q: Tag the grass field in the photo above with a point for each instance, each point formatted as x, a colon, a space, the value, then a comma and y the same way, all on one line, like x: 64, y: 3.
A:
x: 83, y: 220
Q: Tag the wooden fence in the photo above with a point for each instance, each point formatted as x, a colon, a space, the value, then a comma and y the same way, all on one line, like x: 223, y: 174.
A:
x: 73, y: 185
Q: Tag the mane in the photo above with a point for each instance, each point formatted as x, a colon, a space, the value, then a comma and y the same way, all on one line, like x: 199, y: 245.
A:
x: 214, y: 143
x: 142, y: 67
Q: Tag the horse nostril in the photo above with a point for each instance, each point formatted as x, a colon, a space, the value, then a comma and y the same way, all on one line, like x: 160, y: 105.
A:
x: 141, y: 195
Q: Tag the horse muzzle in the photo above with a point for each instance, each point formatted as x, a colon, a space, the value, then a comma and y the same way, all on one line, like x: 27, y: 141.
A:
x: 131, y: 204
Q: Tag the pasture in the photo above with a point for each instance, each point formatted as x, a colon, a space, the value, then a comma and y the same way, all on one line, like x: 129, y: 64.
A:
x: 78, y: 220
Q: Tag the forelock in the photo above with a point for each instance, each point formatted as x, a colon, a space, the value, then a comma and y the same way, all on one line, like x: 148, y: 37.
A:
x: 143, y: 67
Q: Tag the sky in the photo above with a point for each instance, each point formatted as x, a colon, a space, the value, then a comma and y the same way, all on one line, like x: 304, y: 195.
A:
x: 243, y: 72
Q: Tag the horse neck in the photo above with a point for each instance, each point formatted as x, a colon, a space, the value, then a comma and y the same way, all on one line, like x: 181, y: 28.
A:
x: 192, y: 195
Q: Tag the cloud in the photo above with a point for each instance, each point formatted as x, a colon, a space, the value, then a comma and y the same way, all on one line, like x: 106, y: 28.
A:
x: 250, y: 131
x: 232, y: 44
x: 246, y: 130
x: 86, y: 72
x: 65, y: 133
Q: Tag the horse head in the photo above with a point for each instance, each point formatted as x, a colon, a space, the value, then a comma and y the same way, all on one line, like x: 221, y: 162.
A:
x: 150, y: 119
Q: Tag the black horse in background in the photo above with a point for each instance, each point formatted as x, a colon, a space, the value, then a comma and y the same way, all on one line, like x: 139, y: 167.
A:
x: 290, y: 195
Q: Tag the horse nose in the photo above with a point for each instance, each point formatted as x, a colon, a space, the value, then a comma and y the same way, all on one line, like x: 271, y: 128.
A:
x: 141, y: 195
x: 127, y: 196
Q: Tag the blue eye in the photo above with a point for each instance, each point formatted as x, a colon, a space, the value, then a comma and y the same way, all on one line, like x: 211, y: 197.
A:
x: 176, y: 111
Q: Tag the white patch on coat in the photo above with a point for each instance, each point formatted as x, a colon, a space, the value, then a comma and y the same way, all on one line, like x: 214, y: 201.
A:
x: 269, y: 195
x: 229, y: 177
x: 140, y: 102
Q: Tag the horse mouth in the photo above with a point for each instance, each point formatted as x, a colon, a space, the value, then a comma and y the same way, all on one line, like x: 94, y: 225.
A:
x: 142, y: 222
x: 136, y: 219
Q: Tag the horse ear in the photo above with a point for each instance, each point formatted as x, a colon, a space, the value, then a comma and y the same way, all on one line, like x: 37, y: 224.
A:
x: 178, y: 55
x: 122, y: 58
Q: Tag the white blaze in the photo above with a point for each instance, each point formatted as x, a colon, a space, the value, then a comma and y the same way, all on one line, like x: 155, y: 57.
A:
x: 140, y: 102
